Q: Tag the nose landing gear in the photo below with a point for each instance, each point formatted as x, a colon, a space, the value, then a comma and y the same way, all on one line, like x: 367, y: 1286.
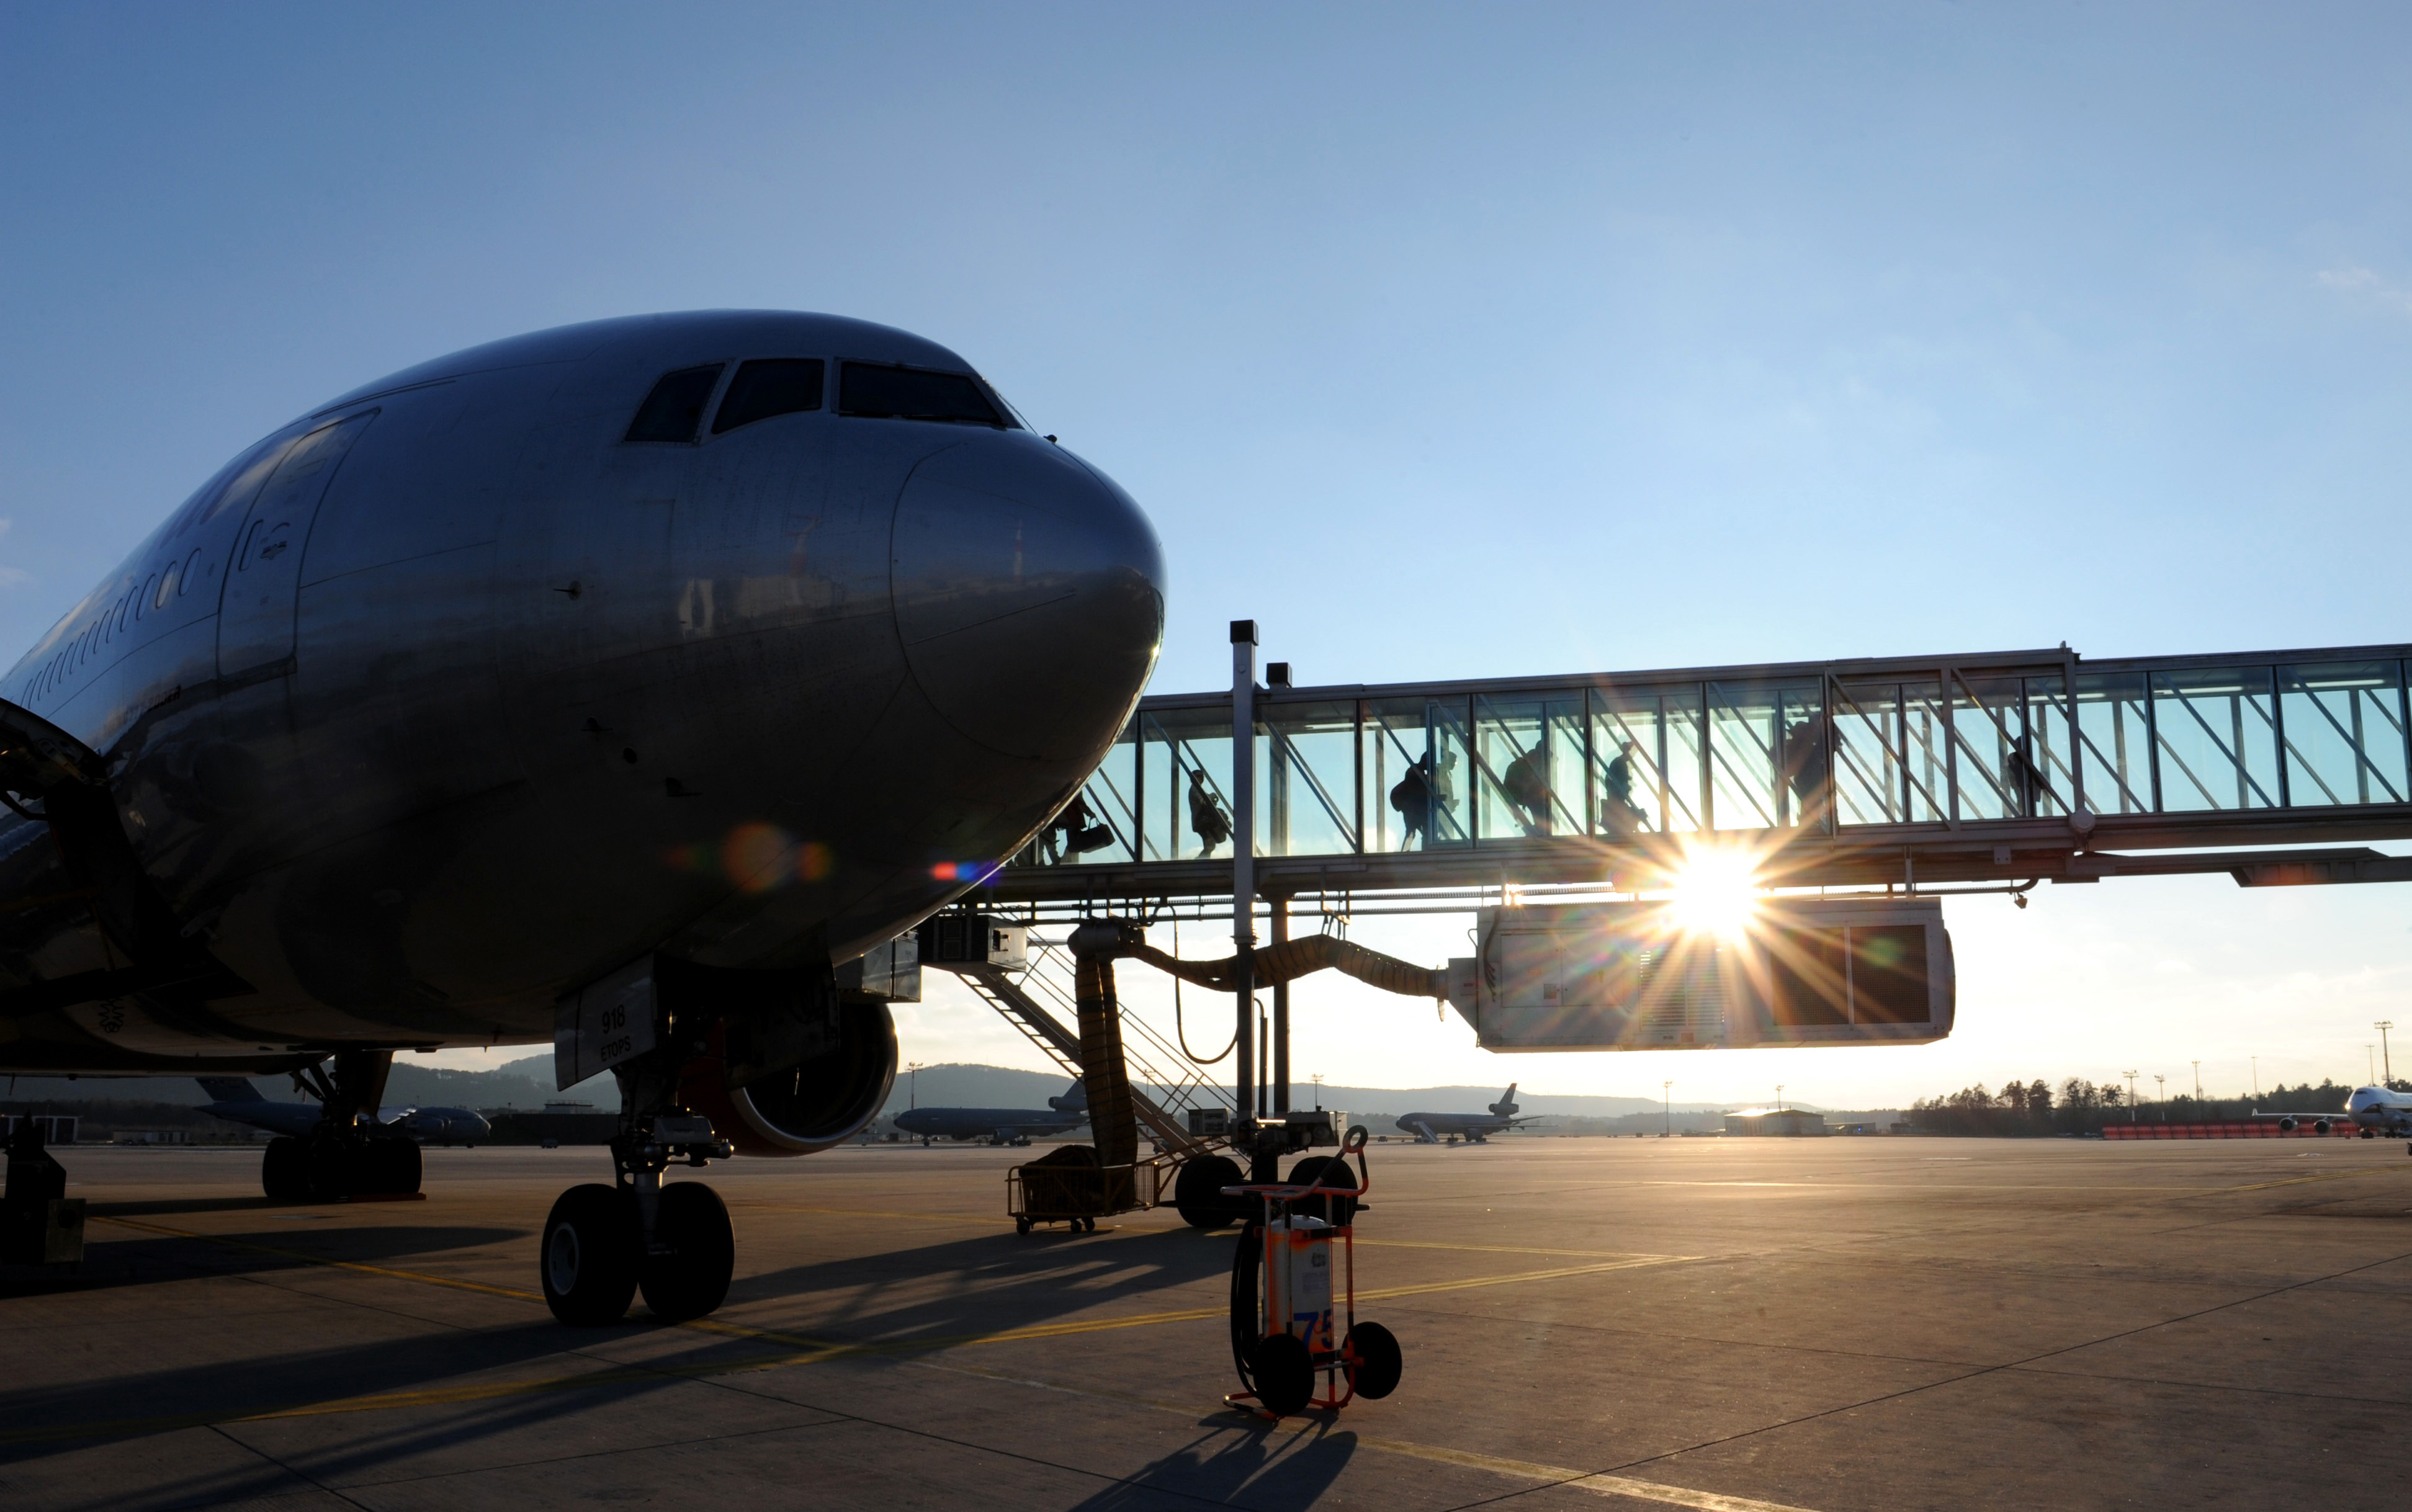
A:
x: 603, y: 1244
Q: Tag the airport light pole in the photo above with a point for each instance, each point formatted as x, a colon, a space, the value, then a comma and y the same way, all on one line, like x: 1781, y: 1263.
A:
x: 2197, y: 1082
x: 2386, y: 1062
x: 1779, y: 1096
x: 1666, y: 1108
x: 2162, y: 1096
x: 2131, y: 1094
x: 913, y: 1083
x: 2257, y: 1078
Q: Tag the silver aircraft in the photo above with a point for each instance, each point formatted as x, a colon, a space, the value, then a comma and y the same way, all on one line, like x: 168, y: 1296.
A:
x: 611, y: 685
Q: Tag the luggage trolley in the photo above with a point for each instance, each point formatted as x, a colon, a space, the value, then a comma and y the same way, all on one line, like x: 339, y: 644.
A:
x: 1283, y: 1329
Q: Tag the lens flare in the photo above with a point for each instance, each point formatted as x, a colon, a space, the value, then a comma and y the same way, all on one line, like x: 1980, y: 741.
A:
x: 1713, y: 892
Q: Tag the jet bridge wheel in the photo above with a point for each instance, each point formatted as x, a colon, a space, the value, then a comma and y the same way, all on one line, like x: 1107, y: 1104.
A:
x: 688, y: 1277
x: 1197, y: 1192
x: 590, y: 1254
x: 1374, y: 1366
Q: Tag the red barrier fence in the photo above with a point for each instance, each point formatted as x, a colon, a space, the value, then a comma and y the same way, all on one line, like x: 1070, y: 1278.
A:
x: 2236, y: 1129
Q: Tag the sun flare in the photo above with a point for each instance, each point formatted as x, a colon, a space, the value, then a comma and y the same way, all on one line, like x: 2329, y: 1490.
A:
x: 1713, y: 892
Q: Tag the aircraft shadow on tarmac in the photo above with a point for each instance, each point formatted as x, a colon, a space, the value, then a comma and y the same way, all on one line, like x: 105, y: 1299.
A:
x: 140, y: 1259
x: 991, y: 1283
x: 1238, y: 1464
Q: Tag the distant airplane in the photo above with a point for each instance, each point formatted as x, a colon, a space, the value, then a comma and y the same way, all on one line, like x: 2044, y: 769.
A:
x: 1429, y: 1128
x: 238, y: 1102
x: 998, y: 1126
x: 2375, y: 1109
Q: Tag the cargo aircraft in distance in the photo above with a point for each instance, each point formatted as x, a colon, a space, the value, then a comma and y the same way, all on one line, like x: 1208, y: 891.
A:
x: 629, y: 687
x: 998, y: 1126
x: 1476, y: 1128
x: 237, y: 1101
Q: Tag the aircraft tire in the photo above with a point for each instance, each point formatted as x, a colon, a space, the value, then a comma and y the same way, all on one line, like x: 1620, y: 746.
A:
x: 692, y: 1278
x: 284, y: 1170
x: 1284, y: 1373
x: 387, y: 1167
x: 589, y: 1257
x: 1374, y: 1353
x: 1335, y: 1209
x: 1197, y: 1192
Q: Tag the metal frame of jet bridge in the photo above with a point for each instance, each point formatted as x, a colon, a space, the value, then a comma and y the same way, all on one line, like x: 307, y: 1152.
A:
x: 2004, y: 768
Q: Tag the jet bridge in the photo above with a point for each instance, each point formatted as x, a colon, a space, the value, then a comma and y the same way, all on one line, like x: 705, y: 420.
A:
x: 1890, y: 782
x: 2004, y: 769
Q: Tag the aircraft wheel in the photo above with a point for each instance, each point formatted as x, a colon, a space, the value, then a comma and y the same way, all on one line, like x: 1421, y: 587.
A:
x: 1284, y: 1373
x: 1197, y: 1192
x: 2370, y: 1134
x: 284, y: 1170
x: 387, y: 1166
x: 1374, y: 1353
x: 693, y: 1278
x: 589, y: 1257
x: 1335, y: 1209
x: 1022, y: 1225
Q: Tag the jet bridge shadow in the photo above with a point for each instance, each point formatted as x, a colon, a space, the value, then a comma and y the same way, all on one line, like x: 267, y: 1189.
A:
x: 990, y: 1284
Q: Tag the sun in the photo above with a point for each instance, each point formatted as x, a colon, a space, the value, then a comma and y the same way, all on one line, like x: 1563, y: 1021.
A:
x: 1713, y: 892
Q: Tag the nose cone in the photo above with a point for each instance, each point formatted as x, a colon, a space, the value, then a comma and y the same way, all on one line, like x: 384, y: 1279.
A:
x: 1029, y: 596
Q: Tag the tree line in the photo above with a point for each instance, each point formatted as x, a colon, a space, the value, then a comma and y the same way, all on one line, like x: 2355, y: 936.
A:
x: 2077, y: 1106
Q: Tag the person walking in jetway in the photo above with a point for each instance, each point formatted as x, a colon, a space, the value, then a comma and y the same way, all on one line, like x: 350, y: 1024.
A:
x: 1526, y: 783
x: 1618, y: 814
x: 1412, y: 796
x: 1207, y: 817
x: 1805, y: 769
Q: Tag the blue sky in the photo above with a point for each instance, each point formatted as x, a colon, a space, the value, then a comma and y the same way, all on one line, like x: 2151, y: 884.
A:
x: 1442, y: 342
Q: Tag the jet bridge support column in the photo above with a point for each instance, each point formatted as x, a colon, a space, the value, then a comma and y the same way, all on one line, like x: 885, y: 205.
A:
x: 1281, y: 1012
x: 1243, y: 876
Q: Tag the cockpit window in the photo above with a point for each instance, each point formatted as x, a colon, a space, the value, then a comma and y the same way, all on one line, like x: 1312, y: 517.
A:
x: 776, y: 386
x: 899, y: 393
x: 675, y: 407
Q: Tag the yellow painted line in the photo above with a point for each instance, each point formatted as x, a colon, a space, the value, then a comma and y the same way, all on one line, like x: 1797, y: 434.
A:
x: 1507, y: 1248
x: 873, y: 1212
x: 1603, y: 1484
x: 804, y: 1350
x: 1640, y: 1490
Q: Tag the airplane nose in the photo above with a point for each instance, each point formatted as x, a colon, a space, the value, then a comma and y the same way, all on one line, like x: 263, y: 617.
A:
x: 1029, y: 596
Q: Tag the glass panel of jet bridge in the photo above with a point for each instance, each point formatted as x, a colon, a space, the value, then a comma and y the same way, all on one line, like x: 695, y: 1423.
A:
x: 2344, y: 733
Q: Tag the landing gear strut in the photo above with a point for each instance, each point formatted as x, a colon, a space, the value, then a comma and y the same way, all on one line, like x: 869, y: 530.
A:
x: 603, y: 1244
x: 349, y: 1155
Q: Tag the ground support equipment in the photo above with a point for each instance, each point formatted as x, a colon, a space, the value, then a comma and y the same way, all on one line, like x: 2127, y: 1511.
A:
x: 1286, y: 1332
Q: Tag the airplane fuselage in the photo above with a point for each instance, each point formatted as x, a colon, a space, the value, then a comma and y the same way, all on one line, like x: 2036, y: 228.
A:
x: 455, y: 694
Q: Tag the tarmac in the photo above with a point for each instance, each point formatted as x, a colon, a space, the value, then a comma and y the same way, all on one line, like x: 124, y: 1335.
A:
x: 1729, y: 1325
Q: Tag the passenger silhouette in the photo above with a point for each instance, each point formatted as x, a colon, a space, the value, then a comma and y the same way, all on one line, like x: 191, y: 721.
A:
x: 1526, y: 783
x: 1444, y: 796
x: 1062, y: 835
x: 1618, y: 814
x: 1207, y: 818
x: 1805, y: 769
x: 1412, y: 796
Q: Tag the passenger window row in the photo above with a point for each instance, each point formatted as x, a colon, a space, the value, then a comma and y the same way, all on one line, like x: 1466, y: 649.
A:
x: 673, y: 412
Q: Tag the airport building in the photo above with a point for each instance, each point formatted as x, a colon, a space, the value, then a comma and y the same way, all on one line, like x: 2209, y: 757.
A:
x: 1795, y: 1121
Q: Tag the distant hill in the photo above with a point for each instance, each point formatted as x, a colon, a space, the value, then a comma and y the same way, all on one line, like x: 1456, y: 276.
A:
x: 998, y: 1086
x: 523, y: 1084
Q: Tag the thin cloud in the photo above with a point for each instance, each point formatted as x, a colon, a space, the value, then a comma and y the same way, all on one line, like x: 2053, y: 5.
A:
x: 2362, y: 283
